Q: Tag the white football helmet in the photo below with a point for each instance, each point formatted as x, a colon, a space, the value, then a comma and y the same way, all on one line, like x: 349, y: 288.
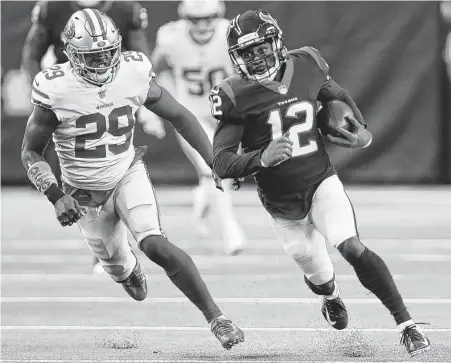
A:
x: 93, y: 45
x: 203, y: 16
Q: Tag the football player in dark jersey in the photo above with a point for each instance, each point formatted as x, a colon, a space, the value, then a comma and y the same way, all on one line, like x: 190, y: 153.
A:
x: 48, y: 20
x: 270, y: 107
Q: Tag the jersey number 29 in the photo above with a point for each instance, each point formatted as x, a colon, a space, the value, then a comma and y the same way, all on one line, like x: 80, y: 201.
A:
x: 300, y: 132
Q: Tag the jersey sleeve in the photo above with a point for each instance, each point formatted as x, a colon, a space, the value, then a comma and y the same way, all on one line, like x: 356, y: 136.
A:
x: 143, y: 75
x: 316, y: 56
x: 222, y: 103
x: 43, y: 91
x: 164, y: 42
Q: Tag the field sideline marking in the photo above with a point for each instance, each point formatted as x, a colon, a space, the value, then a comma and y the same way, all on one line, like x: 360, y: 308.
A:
x: 206, y: 328
x: 241, y: 300
x: 158, y: 276
x: 194, y: 361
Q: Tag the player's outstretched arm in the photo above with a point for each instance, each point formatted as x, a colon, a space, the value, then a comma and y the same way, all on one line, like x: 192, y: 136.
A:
x: 40, y: 126
x: 37, y: 41
x: 227, y: 163
x: 161, y: 102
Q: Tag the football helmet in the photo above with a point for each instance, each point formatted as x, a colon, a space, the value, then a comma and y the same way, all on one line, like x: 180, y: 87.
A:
x: 203, y: 16
x: 252, y: 28
x: 92, y: 43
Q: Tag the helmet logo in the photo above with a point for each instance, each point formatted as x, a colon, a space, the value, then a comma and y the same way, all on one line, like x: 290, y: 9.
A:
x: 101, y: 44
x: 69, y: 30
x: 282, y: 89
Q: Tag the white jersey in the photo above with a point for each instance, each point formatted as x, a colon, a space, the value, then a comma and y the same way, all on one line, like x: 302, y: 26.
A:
x: 94, y: 139
x: 196, y: 68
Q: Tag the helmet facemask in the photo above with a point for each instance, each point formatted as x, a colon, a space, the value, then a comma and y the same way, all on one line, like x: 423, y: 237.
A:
x: 259, y: 68
x: 203, y: 16
x: 98, y: 66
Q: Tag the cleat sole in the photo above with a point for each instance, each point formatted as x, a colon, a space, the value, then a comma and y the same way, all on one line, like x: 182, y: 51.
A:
x: 420, y: 351
x: 230, y: 344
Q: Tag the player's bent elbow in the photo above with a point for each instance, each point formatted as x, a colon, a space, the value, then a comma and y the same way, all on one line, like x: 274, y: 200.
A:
x: 220, y: 169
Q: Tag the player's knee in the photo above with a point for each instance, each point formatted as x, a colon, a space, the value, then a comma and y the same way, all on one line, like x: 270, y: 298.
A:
x: 323, y: 289
x: 162, y: 252
x: 142, y: 222
x: 351, y: 249
x: 298, y: 251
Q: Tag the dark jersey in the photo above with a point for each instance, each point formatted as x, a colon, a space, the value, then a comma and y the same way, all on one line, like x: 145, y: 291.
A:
x: 53, y: 15
x: 267, y: 111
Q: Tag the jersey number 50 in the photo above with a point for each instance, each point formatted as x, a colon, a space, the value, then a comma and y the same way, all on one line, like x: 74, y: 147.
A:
x: 299, y: 133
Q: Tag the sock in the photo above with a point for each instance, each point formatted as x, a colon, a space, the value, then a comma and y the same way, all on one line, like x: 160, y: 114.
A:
x: 329, y: 289
x: 183, y: 273
x: 402, y: 326
x: 374, y: 275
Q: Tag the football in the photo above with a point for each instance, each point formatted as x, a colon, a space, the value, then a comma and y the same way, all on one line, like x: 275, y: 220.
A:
x: 333, y: 116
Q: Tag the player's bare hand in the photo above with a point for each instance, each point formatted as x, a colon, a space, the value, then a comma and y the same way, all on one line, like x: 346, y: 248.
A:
x: 278, y: 151
x: 358, y: 138
x: 68, y: 211
x: 217, y: 180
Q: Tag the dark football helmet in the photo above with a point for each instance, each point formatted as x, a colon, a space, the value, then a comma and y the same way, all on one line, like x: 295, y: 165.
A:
x: 249, y: 29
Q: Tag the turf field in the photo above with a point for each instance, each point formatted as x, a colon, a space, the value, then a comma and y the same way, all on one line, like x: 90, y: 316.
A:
x: 54, y: 310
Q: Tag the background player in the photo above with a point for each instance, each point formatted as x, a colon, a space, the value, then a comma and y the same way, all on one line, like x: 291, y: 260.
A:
x: 270, y: 107
x: 43, y: 45
x: 194, y: 48
x: 88, y: 105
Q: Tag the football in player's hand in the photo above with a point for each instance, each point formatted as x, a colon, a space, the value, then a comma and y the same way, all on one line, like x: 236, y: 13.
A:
x: 333, y: 116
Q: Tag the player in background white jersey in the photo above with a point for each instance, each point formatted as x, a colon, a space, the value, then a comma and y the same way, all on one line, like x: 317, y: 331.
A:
x: 194, y: 48
x: 89, y: 104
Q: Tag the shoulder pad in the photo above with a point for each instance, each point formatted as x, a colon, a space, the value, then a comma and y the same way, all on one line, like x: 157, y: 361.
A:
x: 39, y: 12
x: 314, y: 54
x: 168, y: 33
x: 222, y: 99
x: 139, y: 64
x: 47, y: 85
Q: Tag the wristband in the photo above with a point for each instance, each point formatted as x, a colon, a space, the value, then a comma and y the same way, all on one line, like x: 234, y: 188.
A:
x: 41, y: 176
x: 53, y: 193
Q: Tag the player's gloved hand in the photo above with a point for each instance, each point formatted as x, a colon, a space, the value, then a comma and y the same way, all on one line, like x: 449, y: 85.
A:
x: 237, y: 183
x: 68, y: 211
x: 278, y: 151
x: 217, y: 180
x: 361, y: 137
x: 152, y: 124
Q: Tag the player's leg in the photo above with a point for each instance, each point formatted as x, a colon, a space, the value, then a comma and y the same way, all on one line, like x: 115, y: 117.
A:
x: 333, y: 215
x: 206, y: 196
x: 203, y: 193
x: 106, y: 236
x: 307, y: 247
x: 137, y: 207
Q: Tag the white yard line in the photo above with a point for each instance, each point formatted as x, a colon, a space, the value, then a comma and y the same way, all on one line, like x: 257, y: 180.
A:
x: 195, y: 361
x: 206, y: 328
x: 239, y: 300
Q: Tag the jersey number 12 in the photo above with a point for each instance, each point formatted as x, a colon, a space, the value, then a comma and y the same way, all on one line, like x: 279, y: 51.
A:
x: 300, y: 133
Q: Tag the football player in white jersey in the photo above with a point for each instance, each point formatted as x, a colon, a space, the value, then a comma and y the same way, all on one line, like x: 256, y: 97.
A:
x: 194, y: 48
x: 89, y: 104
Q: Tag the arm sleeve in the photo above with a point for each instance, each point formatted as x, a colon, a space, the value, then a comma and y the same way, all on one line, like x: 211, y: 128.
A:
x: 227, y: 163
x: 331, y: 90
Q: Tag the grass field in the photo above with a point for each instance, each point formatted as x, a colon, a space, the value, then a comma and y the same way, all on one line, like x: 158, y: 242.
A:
x: 54, y: 310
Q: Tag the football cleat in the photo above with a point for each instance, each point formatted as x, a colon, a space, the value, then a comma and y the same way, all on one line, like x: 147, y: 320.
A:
x: 136, y: 284
x: 334, y: 311
x: 226, y: 332
x: 414, y: 340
